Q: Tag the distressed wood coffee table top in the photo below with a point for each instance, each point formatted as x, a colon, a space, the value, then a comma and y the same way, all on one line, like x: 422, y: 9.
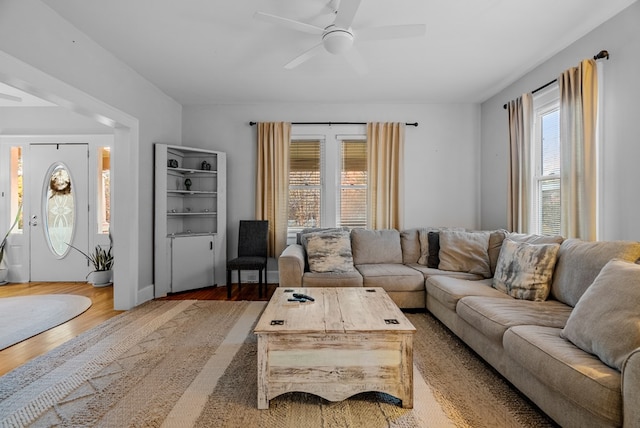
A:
x: 349, y: 340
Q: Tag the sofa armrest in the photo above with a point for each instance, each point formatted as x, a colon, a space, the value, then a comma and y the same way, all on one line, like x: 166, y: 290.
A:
x: 631, y: 389
x: 291, y: 266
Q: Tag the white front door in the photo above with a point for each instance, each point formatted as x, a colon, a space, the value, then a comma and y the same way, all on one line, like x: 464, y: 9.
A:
x: 59, y: 213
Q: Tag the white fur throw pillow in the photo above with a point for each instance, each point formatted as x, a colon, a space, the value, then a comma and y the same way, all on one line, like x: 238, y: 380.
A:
x: 329, y: 251
x: 524, y: 270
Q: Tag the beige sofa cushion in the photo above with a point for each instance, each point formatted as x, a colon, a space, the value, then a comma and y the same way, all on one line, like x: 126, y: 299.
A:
x: 580, y: 377
x: 329, y: 251
x: 332, y: 279
x: 492, y: 316
x: 449, y: 290
x: 579, y: 262
x: 391, y: 277
x: 606, y: 318
x: 465, y: 252
x: 524, y: 271
x: 428, y: 272
x: 376, y: 246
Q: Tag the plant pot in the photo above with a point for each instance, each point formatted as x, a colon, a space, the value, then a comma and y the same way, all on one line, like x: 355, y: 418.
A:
x: 100, y: 278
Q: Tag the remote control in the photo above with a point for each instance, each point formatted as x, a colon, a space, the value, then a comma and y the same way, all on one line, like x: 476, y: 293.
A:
x: 303, y: 296
x: 296, y: 300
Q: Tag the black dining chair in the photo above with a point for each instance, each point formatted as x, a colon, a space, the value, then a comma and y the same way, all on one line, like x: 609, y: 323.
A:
x: 252, y: 253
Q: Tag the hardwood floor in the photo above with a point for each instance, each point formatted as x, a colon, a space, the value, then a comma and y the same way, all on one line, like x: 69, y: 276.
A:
x: 100, y: 311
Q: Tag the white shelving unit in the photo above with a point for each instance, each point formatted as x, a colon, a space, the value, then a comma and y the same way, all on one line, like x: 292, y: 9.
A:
x: 190, y: 249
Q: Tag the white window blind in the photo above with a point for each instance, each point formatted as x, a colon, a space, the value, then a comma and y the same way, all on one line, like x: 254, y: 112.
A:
x: 353, y: 184
x: 547, y: 177
x: 305, y: 166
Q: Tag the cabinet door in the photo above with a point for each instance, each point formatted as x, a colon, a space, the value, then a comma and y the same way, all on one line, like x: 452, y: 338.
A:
x: 192, y: 262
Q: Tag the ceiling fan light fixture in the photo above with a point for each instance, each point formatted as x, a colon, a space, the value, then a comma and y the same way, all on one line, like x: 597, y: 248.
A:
x: 337, y: 41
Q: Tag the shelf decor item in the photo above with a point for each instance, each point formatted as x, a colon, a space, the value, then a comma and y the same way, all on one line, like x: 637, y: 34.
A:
x: 187, y: 183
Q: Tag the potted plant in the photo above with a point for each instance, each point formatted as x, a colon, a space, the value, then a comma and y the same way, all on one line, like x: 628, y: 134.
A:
x: 4, y: 271
x: 102, y: 261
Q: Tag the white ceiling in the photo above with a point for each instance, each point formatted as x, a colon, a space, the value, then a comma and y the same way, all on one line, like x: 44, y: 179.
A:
x: 214, y: 51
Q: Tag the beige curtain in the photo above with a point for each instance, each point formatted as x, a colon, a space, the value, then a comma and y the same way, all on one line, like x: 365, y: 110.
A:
x: 385, y: 149
x: 272, y: 184
x: 519, y: 185
x: 578, y: 126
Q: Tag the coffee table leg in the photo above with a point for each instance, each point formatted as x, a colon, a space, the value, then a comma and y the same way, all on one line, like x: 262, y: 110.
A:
x: 407, y: 372
x: 263, y: 401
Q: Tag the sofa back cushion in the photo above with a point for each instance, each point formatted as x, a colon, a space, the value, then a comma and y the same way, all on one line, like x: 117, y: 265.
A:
x: 579, y: 263
x: 376, y: 246
x: 465, y: 252
x: 410, y: 245
x: 605, y: 320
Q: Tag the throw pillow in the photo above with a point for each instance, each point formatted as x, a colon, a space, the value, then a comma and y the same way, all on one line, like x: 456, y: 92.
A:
x: 423, y: 237
x: 329, y: 252
x: 465, y: 252
x: 433, y: 260
x: 524, y: 270
x: 605, y: 320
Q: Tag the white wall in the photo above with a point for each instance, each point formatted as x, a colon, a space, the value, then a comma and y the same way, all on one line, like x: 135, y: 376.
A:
x: 621, y: 154
x: 47, y: 120
x: 441, y: 154
x: 33, y: 34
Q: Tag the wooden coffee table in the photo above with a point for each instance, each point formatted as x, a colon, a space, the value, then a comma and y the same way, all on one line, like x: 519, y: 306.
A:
x: 347, y: 341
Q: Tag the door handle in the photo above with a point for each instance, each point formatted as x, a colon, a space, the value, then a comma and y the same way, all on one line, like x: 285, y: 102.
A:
x: 33, y: 221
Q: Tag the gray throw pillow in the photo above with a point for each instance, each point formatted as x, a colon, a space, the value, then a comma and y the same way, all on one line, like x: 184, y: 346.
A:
x: 524, y: 270
x: 329, y: 252
x: 465, y: 252
x: 605, y: 320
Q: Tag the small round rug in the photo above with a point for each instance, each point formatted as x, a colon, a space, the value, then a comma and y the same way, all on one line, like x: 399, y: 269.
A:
x: 25, y: 316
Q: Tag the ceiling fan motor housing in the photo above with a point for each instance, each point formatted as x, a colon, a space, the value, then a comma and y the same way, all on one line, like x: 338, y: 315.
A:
x: 337, y: 40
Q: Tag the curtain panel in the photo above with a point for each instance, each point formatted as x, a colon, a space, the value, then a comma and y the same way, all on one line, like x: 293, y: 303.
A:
x: 519, y: 184
x: 385, y: 198
x: 578, y: 127
x: 272, y: 181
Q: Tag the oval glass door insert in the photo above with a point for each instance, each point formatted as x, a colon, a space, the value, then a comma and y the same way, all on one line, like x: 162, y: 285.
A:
x: 59, y: 209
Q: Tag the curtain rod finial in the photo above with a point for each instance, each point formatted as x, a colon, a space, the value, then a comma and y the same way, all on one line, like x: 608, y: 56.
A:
x: 602, y: 54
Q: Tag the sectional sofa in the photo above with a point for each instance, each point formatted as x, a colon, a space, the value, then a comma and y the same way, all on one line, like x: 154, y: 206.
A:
x: 559, y: 318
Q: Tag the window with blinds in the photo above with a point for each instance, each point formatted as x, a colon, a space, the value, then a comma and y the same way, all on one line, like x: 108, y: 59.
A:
x: 547, y: 169
x: 353, y: 184
x: 305, y: 191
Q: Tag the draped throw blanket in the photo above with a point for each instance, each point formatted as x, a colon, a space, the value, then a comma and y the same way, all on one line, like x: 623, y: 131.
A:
x: 272, y: 184
x: 578, y: 128
x: 519, y: 192
x: 385, y: 148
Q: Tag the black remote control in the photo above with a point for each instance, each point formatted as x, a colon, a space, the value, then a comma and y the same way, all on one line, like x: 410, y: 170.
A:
x: 303, y: 296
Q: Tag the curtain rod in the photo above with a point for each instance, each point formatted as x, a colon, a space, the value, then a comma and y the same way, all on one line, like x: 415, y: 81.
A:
x: 599, y: 55
x: 334, y: 123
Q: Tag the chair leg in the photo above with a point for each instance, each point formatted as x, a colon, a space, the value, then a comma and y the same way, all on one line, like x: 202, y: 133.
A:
x: 260, y: 283
x: 239, y: 282
x: 228, y: 283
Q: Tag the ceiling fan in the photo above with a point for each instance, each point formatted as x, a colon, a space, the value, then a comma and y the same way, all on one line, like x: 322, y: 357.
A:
x: 338, y: 37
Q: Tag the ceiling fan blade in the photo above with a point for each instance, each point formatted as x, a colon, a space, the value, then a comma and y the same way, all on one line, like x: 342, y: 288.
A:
x: 305, y: 56
x: 356, y: 61
x: 10, y: 97
x: 391, y: 32
x: 346, y: 13
x: 289, y: 23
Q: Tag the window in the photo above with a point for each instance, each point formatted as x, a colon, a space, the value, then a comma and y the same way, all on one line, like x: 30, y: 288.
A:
x: 104, y: 189
x: 16, y: 186
x: 546, y: 165
x: 305, y: 159
x: 353, y: 184
x: 327, y: 179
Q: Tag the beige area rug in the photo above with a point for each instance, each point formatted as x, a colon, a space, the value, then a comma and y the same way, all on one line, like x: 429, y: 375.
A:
x: 193, y: 363
x: 25, y: 316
